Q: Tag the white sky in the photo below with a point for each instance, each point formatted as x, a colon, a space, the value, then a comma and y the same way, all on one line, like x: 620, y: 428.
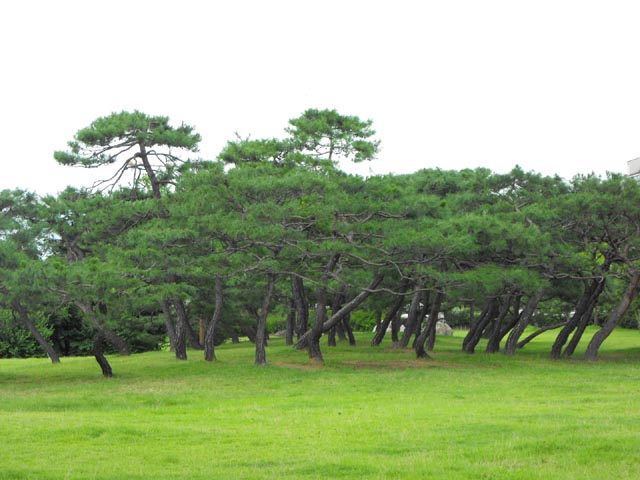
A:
x: 553, y: 86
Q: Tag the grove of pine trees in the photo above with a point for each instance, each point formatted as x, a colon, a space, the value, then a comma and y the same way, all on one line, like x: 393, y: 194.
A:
x: 171, y: 251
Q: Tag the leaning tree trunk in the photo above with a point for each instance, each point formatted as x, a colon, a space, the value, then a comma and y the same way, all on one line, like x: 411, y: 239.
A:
x: 209, y: 338
x: 429, y: 328
x: 412, y: 317
x: 493, y: 345
x: 391, y: 314
x: 348, y: 307
x: 614, y: 317
x: 577, y: 335
x: 590, y: 296
x: 346, y: 324
x: 112, y: 337
x: 261, y: 329
x: 475, y: 333
x: 313, y: 342
x: 24, y: 318
x: 519, y: 328
x: 98, y: 353
x: 433, y: 320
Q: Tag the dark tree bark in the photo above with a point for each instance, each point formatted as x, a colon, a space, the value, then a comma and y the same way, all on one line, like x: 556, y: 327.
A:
x: 181, y: 330
x: 302, y: 306
x: 209, y: 338
x: 539, y: 332
x: 46, y: 346
x: 112, y: 337
x: 577, y: 335
x: 168, y: 322
x: 422, y: 313
x: 475, y: 333
x: 519, y: 328
x: 337, y: 329
x: 433, y: 319
x: 98, y: 353
x: 412, y: 317
x: 614, y: 317
x: 192, y: 336
x: 590, y: 296
x: 261, y: 328
x: 396, y: 323
x: 343, y: 312
x: 316, y: 331
x: 493, y: 345
x: 291, y: 322
x: 429, y: 328
x: 346, y: 324
x: 391, y: 314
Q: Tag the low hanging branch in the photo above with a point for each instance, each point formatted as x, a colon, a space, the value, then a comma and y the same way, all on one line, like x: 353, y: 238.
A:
x: 539, y: 332
x: 344, y: 311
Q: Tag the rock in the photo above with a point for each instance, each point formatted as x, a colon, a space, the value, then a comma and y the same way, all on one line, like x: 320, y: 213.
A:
x: 443, y: 328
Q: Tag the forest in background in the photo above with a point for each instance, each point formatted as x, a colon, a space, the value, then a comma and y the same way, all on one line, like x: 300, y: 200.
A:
x: 182, y: 252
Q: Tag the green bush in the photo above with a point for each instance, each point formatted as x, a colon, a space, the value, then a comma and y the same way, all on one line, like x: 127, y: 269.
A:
x: 16, y: 340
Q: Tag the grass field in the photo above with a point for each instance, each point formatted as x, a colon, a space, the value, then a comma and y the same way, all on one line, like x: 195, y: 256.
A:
x: 367, y: 413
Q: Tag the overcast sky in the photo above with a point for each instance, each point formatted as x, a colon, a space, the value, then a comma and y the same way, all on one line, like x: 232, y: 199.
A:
x: 553, y: 86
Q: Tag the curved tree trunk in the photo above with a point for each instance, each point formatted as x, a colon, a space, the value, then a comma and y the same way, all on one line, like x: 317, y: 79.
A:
x: 46, y: 346
x: 429, y: 328
x: 112, y: 337
x: 590, y: 296
x: 261, y: 328
x: 475, y: 333
x: 98, y: 353
x: 614, y: 318
x: 577, y: 335
x: 433, y: 319
x: 209, y: 338
x: 412, y: 317
x: 519, y: 328
x: 391, y: 314
x: 313, y: 344
x: 493, y: 345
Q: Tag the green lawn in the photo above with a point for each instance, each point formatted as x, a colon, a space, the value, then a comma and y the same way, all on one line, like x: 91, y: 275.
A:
x: 367, y: 413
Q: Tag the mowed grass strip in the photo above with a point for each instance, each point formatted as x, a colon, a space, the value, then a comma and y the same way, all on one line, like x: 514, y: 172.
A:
x: 367, y: 413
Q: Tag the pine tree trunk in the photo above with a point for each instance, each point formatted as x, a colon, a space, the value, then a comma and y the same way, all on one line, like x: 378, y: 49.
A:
x: 181, y: 331
x: 168, y: 322
x: 519, y: 328
x: 493, y: 345
x: 433, y: 320
x: 46, y: 346
x: 412, y: 317
x: 577, y: 335
x: 110, y: 336
x: 261, y: 328
x: 209, y: 338
x: 590, y: 296
x: 614, y: 317
x: 302, y: 306
x: 291, y: 322
x: 98, y: 353
x: 475, y: 333
x: 346, y: 323
x: 381, y: 329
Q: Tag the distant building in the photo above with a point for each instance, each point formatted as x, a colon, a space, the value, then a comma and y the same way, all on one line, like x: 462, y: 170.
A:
x: 633, y: 168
